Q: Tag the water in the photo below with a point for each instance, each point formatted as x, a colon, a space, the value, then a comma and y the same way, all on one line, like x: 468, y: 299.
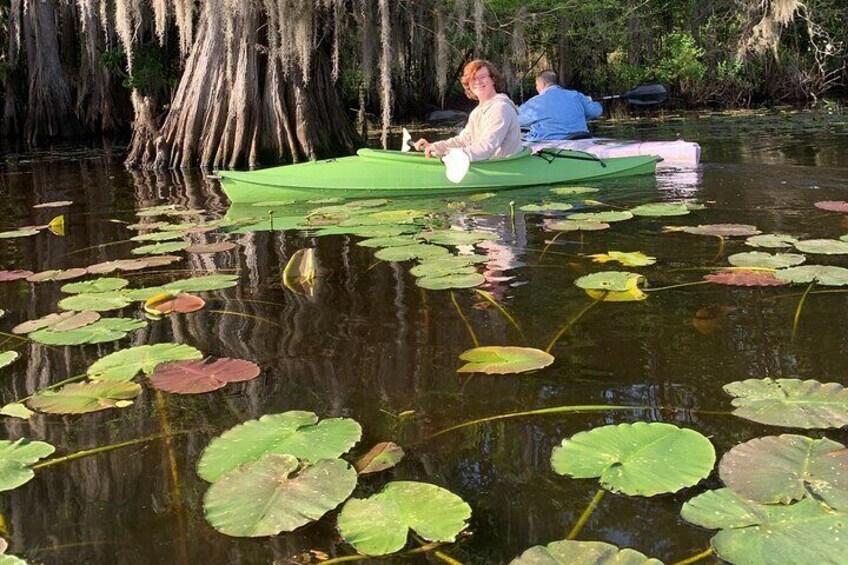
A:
x: 370, y: 345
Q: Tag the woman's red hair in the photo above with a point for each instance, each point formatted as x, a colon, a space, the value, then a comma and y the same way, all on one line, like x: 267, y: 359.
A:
x: 471, y: 69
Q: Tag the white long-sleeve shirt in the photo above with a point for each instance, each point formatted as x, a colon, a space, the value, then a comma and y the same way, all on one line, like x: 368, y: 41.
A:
x: 492, y: 132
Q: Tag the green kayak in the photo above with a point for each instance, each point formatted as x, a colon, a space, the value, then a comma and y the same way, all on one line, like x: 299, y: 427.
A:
x: 373, y: 173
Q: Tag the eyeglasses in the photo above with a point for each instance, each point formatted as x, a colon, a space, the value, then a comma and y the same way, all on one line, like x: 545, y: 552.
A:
x: 479, y: 79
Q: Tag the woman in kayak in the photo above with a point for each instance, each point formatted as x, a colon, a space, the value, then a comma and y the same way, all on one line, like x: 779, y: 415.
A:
x: 492, y: 131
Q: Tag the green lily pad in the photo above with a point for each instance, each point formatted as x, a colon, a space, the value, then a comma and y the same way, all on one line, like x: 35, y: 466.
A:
x: 480, y: 196
x: 145, y: 294
x: 377, y: 231
x: 394, y: 241
x: 790, y: 403
x: 601, y: 217
x: 202, y: 284
x: 573, y: 190
x: 456, y: 237
x: 443, y: 266
x: 453, y: 280
x: 804, y: 532
x: 574, y: 225
x: 660, y: 209
x: 549, y: 207
x: 16, y: 458
x: 504, y: 360
x: 95, y: 286
x: 610, y: 281
x: 158, y: 210
x: 576, y: 552
x: 721, y: 230
x: 410, y: 252
x: 766, y: 260
x: 8, y: 357
x: 157, y: 236
x: 382, y: 456
x: 263, y: 498
x: 639, y: 459
x: 81, y: 398
x: 103, y: 330
x: 295, y: 433
x: 385, y: 217
x: 786, y: 468
x: 380, y: 525
x: 824, y: 275
x: 96, y: 302
x: 369, y: 203
x: 822, y: 246
x: 17, y: 410
x: 628, y: 259
x: 17, y: 233
x: 160, y: 248
x: 771, y: 240
x: 124, y: 365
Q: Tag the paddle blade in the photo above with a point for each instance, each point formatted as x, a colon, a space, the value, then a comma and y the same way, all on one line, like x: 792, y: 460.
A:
x: 456, y: 165
x: 646, y: 94
x: 405, y: 141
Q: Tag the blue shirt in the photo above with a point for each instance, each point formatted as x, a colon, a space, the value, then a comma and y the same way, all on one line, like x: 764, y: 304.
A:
x: 557, y: 113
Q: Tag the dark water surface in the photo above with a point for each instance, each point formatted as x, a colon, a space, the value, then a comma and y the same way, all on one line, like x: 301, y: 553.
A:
x: 370, y: 344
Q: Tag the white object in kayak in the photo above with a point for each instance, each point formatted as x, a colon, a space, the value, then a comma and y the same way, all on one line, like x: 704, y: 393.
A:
x: 676, y: 153
x: 456, y: 163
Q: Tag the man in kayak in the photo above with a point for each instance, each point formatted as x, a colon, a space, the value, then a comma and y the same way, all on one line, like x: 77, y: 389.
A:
x: 492, y: 131
x: 556, y: 113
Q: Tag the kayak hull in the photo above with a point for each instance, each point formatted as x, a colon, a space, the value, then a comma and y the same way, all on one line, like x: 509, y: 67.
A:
x: 674, y: 154
x: 389, y: 174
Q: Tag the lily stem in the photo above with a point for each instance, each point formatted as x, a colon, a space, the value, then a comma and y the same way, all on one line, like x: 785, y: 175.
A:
x: 695, y: 558
x: 103, y: 449
x: 503, y: 311
x: 581, y: 522
x: 573, y: 321
x: 465, y: 320
x: 800, y: 306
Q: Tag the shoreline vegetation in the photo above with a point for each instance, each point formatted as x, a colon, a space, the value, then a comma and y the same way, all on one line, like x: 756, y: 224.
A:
x: 244, y: 83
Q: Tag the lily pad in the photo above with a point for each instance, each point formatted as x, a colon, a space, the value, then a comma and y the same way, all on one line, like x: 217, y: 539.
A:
x: 57, y: 275
x: 145, y: 294
x: 722, y: 230
x: 294, y: 433
x: 167, y: 303
x: 16, y: 410
x: 103, y: 330
x: 160, y: 248
x: 660, y: 209
x: 588, y: 552
x: 81, y: 398
x: 394, y: 241
x: 823, y: 246
x: 456, y: 237
x: 18, y: 233
x: 786, y: 468
x: 628, y: 259
x: 791, y: 403
x: 443, y: 266
x: 8, y: 276
x: 8, y: 357
x: 95, y: 286
x: 771, y: 240
x: 132, y: 264
x: 745, y: 277
x: 480, y: 196
x: 380, y: 525
x: 573, y: 190
x: 53, y: 204
x: 16, y: 458
x: 410, y: 252
x: 601, y: 217
x: 124, y: 365
x: 264, y: 498
x: 824, y: 275
x: 804, y: 532
x: 833, y: 206
x: 574, y: 225
x: 196, y: 377
x: 96, y: 302
x: 766, y: 260
x: 504, y: 360
x: 208, y: 248
x: 381, y: 231
x: 453, y: 280
x: 382, y: 456
x: 610, y: 281
x: 157, y: 236
x: 202, y: 284
x: 639, y: 459
x: 386, y: 217
x: 300, y: 271
x: 43, y: 322
x: 550, y: 207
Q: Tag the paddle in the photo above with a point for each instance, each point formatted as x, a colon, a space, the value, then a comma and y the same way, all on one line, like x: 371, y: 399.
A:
x: 644, y: 95
x: 456, y: 162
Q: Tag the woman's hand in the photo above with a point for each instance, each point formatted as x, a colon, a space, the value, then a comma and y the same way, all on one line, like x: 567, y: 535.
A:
x: 421, y: 144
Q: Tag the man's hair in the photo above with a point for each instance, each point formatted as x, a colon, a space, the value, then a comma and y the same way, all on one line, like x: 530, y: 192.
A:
x: 548, y: 78
x: 471, y: 69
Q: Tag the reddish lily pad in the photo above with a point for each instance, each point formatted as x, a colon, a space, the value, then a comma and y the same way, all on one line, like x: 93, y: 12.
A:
x: 745, y: 277
x: 133, y: 264
x: 57, y: 275
x: 6, y: 276
x: 167, y: 303
x: 833, y: 206
x: 43, y: 322
x: 195, y: 377
x: 382, y: 456
x: 219, y: 247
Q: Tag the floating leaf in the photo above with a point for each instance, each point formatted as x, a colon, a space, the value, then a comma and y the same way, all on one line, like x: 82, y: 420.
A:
x: 791, y: 403
x: 822, y: 246
x: 721, y: 230
x: 132, y: 264
x: 300, y: 272
x: 16, y: 410
x: 480, y: 196
x: 772, y: 240
x: 745, y: 277
x: 295, y: 433
x: 549, y: 207
x: 157, y: 210
x: 580, y: 552
x: 201, y: 284
x: 409, y: 252
x: 833, y: 206
x: 196, y: 377
x: 386, y: 217
x: 57, y: 226
x: 96, y: 302
x: 453, y: 280
x: 610, y: 281
x: 762, y: 260
x: 7, y: 276
x: 394, y: 241
x: 54, y: 204
x: 824, y: 275
x: 804, y: 532
x: 628, y: 259
x: 382, y: 231
x: 57, y: 275
x: 157, y: 236
x: 382, y: 456
x: 785, y: 468
x: 218, y: 247
x: 160, y: 248
x: 18, y: 233
x: 95, y: 286
x: 124, y: 365
x: 452, y: 265
x: 635, y: 294
x: 16, y: 458
x: 81, y: 398
x: 8, y: 357
x: 44, y: 322
x: 660, y: 209
x: 263, y: 498
x: 573, y: 190
x: 573, y: 225
x: 380, y: 525
x: 105, y: 329
x: 639, y: 459
x: 601, y: 217
x: 167, y: 303
x: 456, y: 237
x: 504, y: 360
x: 147, y: 226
